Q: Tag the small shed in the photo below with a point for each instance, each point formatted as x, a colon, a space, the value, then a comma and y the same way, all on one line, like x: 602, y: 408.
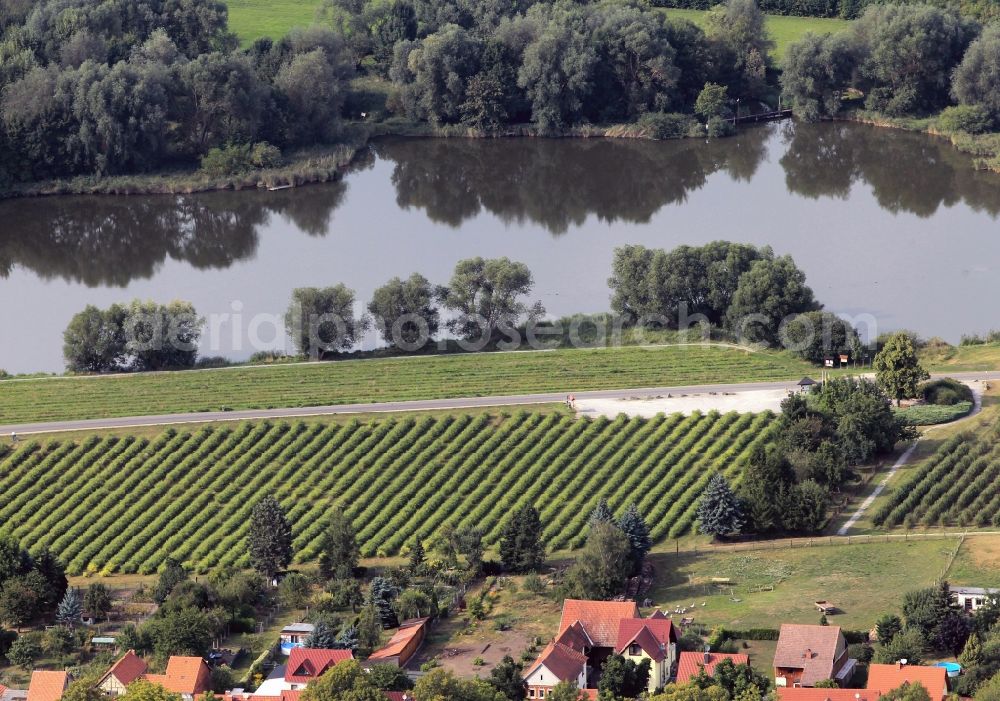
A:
x: 805, y: 383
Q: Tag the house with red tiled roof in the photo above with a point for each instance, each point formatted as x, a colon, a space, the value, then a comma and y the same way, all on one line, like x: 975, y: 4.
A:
x: 801, y: 693
x: 123, y: 672
x: 883, y: 678
x: 558, y: 662
x: 404, y: 643
x: 689, y: 664
x: 306, y: 664
x: 807, y: 654
x: 592, y: 631
x: 47, y: 686
x: 187, y: 676
x: 654, y: 638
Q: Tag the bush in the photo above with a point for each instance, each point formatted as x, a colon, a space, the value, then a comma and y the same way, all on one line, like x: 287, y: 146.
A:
x: 932, y: 414
x: 972, y: 119
x: 719, y: 127
x: 239, y: 158
x: 534, y: 584
x: 666, y: 125
x: 945, y: 392
x: 753, y: 634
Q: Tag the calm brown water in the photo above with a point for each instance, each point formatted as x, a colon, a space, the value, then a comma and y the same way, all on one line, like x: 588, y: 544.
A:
x: 893, y: 224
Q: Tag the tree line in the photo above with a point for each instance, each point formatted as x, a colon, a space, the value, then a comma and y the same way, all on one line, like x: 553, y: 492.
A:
x: 821, y: 437
x: 983, y: 10
x: 118, y: 86
x: 747, y: 292
x: 905, y: 60
x: 556, y: 64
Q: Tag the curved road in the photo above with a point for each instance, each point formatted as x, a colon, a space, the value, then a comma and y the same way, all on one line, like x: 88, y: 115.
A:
x: 416, y: 405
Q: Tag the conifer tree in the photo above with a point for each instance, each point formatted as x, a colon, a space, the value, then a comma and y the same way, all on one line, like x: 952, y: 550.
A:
x: 521, y: 546
x: 339, y: 550
x: 70, y: 609
x: 602, y: 512
x: 418, y: 557
x: 270, y: 538
x: 635, y: 529
x: 720, y: 512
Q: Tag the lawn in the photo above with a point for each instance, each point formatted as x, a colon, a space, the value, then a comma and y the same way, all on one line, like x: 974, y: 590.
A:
x: 395, y: 379
x: 784, y: 30
x: 863, y: 580
x: 252, y: 19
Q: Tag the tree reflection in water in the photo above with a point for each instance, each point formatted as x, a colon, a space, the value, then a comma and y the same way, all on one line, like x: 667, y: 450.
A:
x: 552, y: 183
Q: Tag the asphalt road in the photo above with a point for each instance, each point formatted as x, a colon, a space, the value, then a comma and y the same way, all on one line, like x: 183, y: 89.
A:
x: 416, y: 405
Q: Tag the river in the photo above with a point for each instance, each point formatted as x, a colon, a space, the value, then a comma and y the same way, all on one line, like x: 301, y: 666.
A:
x: 892, y: 224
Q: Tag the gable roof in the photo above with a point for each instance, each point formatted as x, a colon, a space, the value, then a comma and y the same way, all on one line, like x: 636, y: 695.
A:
x: 563, y: 661
x: 575, y: 636
x: 599, y: 618
x: 127, y: 669
x: 813, y: 649
x: 787, y: 693
x: 185, y: 675
x: 305, y: 664
x: 883, y: 678
x: 688, y: 663
x: 653, y: 635
x: 47, y: 686
x: 400, y: 639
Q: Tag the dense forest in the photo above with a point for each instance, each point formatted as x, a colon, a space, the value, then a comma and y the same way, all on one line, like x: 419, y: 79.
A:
x: 125, y: 86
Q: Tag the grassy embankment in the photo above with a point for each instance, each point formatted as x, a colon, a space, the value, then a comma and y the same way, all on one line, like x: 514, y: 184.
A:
x: 396, y: 379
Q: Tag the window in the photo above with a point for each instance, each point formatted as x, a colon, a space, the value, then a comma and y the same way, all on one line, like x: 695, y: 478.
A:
x: 531, y: 693
x: 634, y: 650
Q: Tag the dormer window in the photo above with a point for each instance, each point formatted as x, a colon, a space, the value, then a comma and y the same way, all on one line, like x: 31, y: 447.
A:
x: 634, y: 650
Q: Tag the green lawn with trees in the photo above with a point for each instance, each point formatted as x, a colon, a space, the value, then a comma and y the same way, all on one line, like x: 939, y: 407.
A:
x: 784, y: 29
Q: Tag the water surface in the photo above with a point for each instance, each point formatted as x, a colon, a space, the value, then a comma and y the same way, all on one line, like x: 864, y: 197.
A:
x: 889, y: 223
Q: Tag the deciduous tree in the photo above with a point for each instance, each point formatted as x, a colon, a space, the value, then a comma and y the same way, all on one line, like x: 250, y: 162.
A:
x: 269, y: 538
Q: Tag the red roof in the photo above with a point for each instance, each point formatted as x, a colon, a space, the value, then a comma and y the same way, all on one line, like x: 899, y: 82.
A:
x: 812, y: 648
x: 306, y: 664
x: 689, y: 663
x: 653, y: 635
x: 401, y: 638
x: 883, y: 678
x: 787, y: 693
x: 563, y: 661
x: 127, y: 669
x: 599, y: 618
x: 575, y: 637
x: 185, y: 675
x: 47, y: 686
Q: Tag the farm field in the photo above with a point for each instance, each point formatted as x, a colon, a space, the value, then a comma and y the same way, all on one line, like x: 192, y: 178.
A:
x: 396, y: 379
x: 122, y: 504
x: 958, y: 485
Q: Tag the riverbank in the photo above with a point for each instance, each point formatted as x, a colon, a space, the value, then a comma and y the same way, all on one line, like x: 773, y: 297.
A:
x: 317, y: 164
x: 984, y: 148
x: 321, y: 164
